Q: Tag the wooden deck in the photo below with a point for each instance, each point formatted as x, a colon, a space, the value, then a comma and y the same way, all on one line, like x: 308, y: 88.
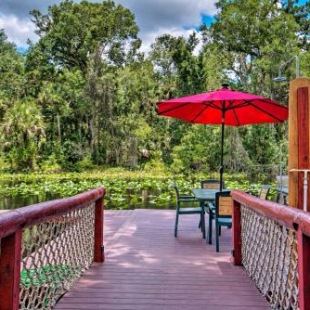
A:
x: 146, y: 268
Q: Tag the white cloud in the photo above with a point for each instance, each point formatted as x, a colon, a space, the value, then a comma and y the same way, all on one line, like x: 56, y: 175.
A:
x: 150, y: 37
x: 18, y: 30
x: 154, y: 17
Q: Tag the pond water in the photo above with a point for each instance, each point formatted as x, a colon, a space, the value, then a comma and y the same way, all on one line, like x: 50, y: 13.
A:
x: 10, y: 203
x: 144, y: 199
x: 147, y: 199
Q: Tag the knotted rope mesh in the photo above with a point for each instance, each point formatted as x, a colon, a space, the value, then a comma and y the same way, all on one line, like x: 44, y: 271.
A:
x: 269, y: 254
x: 54, y: 254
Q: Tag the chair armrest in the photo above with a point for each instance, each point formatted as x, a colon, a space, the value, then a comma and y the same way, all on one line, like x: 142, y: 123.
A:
x: 187, y: 198
x: 210, y: 207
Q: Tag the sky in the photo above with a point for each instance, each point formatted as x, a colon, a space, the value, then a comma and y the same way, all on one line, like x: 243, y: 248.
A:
x: 154, y: 17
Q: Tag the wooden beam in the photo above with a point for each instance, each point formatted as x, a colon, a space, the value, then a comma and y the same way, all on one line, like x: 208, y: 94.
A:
x: 299, y: 128
x: 98, y: 244
x: 10, y: 271
x: 303, y: 270
x: 237, y: 240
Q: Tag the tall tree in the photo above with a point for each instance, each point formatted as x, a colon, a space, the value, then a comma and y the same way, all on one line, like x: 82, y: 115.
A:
x: 22, y: 133
x: 93, y: 41
x: 301, y: 14
x: 259, y: 34
x: 12, y: 73
x: 70, y: 32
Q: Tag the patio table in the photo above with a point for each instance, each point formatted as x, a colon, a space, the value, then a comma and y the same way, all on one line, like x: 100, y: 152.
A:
x: 206, y: 195
x: 282, y: 195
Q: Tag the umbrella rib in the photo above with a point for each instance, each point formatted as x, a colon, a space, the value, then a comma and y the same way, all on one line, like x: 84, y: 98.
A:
x: 207, y: 104
x: 230, y: 106
x: 199, y: 113
x: 250, y: 103
x: 268, y: 113
x: 236, y: 117
x: 173, y: 108
x: 245, y: 102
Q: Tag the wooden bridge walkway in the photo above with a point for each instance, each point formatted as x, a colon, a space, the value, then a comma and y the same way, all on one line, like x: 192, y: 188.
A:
x: 146, y: 268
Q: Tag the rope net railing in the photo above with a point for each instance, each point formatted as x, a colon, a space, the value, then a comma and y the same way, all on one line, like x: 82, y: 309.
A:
x: 45, y: 248
x: 270, y: 257
x: 54, y: 254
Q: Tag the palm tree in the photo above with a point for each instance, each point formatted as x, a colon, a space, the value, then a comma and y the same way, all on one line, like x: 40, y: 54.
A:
x: 22, y: 132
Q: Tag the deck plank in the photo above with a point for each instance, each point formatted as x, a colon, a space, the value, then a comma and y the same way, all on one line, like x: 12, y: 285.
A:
x: 146, y: 268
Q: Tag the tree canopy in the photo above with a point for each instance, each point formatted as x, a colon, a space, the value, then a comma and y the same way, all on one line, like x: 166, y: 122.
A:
x: 84, y: 95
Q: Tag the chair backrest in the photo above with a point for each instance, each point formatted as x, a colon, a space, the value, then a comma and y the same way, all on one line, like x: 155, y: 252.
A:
x: 210, y: 184
x: 264, y: 192
x: 176, y: 190
x: 281, y: 198
x: 223, y: 204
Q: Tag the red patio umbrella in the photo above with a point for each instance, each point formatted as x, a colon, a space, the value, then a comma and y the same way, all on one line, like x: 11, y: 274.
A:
x: 225, y: 107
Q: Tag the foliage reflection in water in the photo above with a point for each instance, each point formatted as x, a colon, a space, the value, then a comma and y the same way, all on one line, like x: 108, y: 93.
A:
x: 123, y: 191
x: 146, y: 199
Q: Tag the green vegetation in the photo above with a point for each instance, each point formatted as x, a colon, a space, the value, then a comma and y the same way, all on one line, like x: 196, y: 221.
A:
x: 84, y: 96
x: 47, y: 280
x: 49, y: 274
x: 125, y: 189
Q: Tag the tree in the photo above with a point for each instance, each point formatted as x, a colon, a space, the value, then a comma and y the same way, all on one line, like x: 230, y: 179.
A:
x: 301, y: 14
x: 66, y: 112
x: 259, y: 34
x: 71, y: 32
x: 12, y: 73
x: 81, y: 48
x: 22, y: 133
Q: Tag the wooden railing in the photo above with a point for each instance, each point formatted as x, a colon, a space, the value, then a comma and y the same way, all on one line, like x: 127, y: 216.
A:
x: 272, y: 242
x: 45, y: 248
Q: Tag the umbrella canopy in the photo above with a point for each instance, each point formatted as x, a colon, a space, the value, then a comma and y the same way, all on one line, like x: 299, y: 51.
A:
x: 225, y: 107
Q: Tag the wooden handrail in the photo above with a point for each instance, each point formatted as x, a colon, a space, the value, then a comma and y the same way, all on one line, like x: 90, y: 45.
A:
x: 36, y: 213
x: 12, y: 223
x: 293, y: 218
x: 284, y: 215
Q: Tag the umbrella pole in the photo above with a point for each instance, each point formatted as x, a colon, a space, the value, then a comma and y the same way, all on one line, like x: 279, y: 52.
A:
x: 222, y: 152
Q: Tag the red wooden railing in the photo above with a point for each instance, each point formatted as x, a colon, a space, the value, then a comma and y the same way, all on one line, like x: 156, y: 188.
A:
x: 63, y: 215
x: 296, y: 222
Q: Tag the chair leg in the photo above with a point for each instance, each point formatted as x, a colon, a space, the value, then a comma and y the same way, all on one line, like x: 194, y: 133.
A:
x: 220, y: 230
x: 217, y: 230
x: 176, y: 224
x: 210, y: 227
x: 199, y: 225
x: 203, y: 225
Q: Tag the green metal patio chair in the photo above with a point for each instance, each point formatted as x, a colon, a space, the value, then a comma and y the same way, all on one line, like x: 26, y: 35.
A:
x: 212, y: 184
x: 264, y: 192
x: 223, y: 214
x: 182, y: 209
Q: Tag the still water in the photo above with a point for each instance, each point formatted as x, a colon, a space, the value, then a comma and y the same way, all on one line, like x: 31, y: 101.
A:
x: 145, y: 200
x: 10, y: 203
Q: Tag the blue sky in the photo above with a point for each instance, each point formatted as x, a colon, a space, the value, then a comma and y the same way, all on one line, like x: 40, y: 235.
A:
x: 154, y: 17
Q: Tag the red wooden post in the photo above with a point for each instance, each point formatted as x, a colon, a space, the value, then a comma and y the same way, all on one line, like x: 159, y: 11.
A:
x: 303, y: 270
x: 237, y: 241
x: 98, y: 246
x: 10, y: 271
x: 299, y: 135
x: 303, y: 139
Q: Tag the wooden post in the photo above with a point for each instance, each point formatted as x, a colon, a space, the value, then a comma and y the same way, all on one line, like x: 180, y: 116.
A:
x: 299, y: 133
x: 98, y: 245
x: 10, y: 271
x: 303, y: 270
x: 237, y: 240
